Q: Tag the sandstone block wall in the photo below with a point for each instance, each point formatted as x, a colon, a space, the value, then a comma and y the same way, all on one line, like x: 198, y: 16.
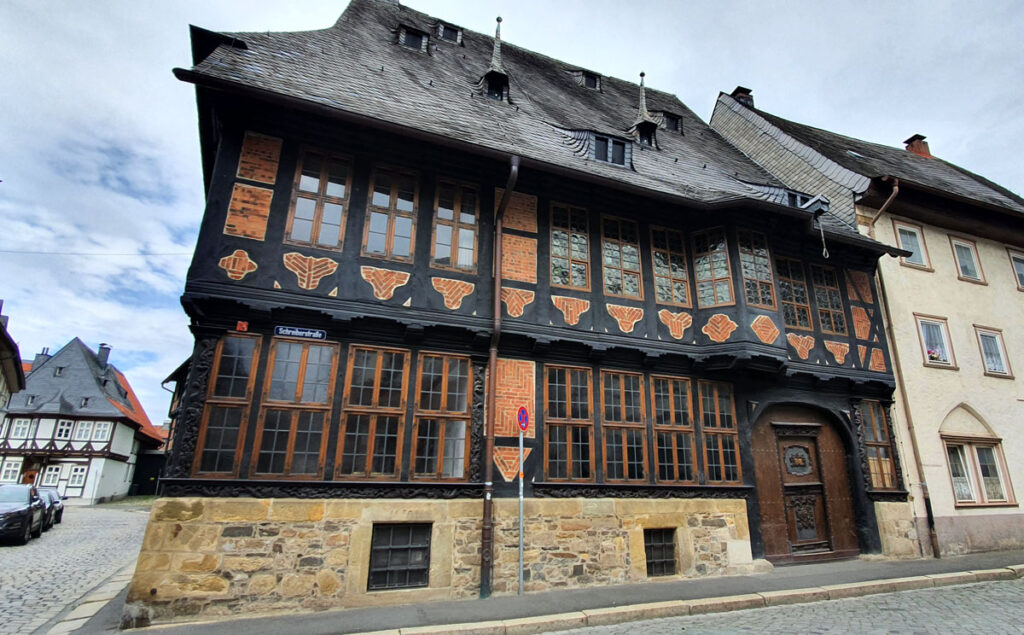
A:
x: 898, y: 530
x: 218, y: 556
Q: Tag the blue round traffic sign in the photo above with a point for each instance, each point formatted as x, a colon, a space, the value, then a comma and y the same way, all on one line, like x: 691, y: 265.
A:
x: 523, y: 418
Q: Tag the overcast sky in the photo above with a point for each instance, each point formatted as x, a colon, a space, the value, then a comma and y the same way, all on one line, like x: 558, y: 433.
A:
x: 99, y: 155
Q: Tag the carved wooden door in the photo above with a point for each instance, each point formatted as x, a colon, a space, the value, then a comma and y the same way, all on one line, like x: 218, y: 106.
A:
x: 803, y: 489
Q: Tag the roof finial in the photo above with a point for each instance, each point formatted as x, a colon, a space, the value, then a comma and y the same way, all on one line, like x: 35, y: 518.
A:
x: 642, y: 114
x: 496, y: 55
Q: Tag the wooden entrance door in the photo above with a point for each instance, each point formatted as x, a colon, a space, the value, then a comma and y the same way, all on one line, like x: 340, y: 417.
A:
x: 803, y: 487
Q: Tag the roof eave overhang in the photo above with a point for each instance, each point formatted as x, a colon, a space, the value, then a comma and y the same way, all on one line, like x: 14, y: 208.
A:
x: 949, y: 195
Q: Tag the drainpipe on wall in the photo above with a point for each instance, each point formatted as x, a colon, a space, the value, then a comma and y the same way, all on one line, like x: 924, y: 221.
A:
x: 487, y: 531
x: 899, y: 377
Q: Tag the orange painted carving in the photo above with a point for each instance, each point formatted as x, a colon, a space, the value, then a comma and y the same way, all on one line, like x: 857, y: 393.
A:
x: 839, y: 350
x: 765, y: 329
x: 626, y: 316
x: 861, y: 322
x: 515, y: 390
x: 506, y: 459
x: 677, y: 323
x: 802, y: 343
x: 309, y: 270
x: 384, y: 281
x: 453, y: 291
x: 858, y: 282
x: 238, y: 264
x: 571, y: 308
x: 516, y: 300
x: 719, y: 328
x: 877, y: 360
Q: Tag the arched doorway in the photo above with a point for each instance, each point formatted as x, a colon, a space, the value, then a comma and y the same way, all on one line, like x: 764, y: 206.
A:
x: 803, y: 487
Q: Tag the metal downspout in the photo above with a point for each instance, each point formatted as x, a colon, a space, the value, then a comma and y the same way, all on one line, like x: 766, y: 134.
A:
x: 487, y: 531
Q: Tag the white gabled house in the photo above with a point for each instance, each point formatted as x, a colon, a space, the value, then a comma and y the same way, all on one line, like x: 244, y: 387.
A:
x: 77, y: 427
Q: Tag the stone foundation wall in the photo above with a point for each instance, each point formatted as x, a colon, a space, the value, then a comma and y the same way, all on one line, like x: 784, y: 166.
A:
x: 219, y: 556
x: 898, y: 530
x: 979, y: 532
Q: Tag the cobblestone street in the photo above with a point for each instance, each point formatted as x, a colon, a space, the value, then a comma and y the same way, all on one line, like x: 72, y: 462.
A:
x: 988, y: 607
x: 40, y: 579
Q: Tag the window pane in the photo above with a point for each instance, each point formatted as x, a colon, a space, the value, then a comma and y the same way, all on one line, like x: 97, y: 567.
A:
x: 427, y: 436
x: 431, y: 378
x: 308, y: 440
x: 285, y: 380
x: 357, y: 435
x: 319, y: 361
x: 454, y: 449
x: 235, y: 365
x: 990, y: 474
x: 934, y: 342
x: 274, y: 442
x: 382, y: 189
x: 909, y: 241
x: 309, y: 181
x: 958, y: 469
x: 965, y: 260
x: 364, y: 369
x: 446, y: 201
x: 337, y: 177
x: 406, y: 193
x: 376, y: 237
x: 391, y: 374
x: 458, y: 384
x: 618, y: 152
x: 302, y: 223
x: 992, y: 353
x: 221, y: 440
x: 601, y: 148
x: 1018, y: 268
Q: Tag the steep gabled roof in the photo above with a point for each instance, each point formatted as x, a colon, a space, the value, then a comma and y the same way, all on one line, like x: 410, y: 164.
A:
x: 10, y: 361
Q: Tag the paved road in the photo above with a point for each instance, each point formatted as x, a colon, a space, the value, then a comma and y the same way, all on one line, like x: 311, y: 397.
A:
x: 988, y: 607
x: 40, y: 579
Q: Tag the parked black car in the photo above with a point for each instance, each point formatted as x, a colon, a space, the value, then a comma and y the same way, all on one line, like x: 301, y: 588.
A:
x: 57, y: 509
x: 22, y: 512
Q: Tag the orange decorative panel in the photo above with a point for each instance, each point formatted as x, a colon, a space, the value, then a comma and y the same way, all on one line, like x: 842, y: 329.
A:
x: 839, y: 350
x: 516, y: 300
x: 516, y: 389
x: 259, y: 158
x: 506, y: 459
x: 802, y: 343
x: 719, y: 327
x: 765, y: 330
x: 238, y: 264
x: 677, y: 323
x: 519, y: 258
x: 248, y: 212
x: 453, y: 291
x: 384, y: 281
x: 877, y: 360
x: 309, y: 270
x: 571, y: 308
x: 521, y: 212
x: 626, y: 316
x: 861, y: 322
x: 859, y: 283
x: 861, y: 351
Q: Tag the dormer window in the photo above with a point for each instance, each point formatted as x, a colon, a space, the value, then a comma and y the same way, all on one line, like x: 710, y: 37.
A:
x: 449, y: 33
x: 31, y: 400
x: 671, y: 122
x: 609, y: 150
x: 59, y: 371
x: 646, y: 136
x: 413, y: 39
x: 85, y: 402
x: 591, y: 80
x: 497, y: 85
x: 796, y: 199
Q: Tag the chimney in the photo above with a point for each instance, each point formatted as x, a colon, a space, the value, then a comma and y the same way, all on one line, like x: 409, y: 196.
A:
x: 743, y: 95
x: 41, y: 357
x: 918, y: 146
x: 103, y: 355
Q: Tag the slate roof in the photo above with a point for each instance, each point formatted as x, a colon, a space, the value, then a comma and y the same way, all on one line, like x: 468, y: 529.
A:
x: 82, y: 376
x: 357, y: 67
x: 875, y: 160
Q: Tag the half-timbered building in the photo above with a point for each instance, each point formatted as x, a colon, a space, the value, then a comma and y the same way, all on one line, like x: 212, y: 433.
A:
x: 412, y: 231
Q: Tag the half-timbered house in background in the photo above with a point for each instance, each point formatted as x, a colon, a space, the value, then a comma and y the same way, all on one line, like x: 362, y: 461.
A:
x: 698, y: 348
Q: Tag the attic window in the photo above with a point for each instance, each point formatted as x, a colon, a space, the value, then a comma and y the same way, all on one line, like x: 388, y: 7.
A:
x: 795, y: 199
x: 646, y: 136
x: 591, y: 80
x: 85, y: 402
x: 496, y: 86
x: 413, y: 39
x: 670, y: 121
x: 57, y: 372
x: 609, y: 150
x: 449, y: 33
x: 31, y: 400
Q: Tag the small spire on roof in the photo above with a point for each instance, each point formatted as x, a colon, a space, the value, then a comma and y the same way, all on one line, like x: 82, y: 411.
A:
x: 642, y: 115
x: 496, y: 55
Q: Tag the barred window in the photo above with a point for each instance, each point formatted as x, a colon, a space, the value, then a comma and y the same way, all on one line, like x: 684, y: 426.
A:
x: 624, y: 425
x: 568, y: 451
x: 830, y: 302
x: 671, y: 283
x: 878, y: 446
x: 441, y: 428
x: 620, y: 246
x: 570, y: 247
x: 796, y: 307
x: 756, y: 266
x: 455, y: 227
x: 675, y: 445
x: 391, y: 215
x: 711, y: 268
x: 718, y: 427
x: 227, y: 405
x: 373, y: 421
x: 399, y: 556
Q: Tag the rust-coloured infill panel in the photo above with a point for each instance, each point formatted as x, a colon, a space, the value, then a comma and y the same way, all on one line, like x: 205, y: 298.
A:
x: 519, y: 258
x: 521, y: 213
x: 259, y: 158
x: 248, y: 212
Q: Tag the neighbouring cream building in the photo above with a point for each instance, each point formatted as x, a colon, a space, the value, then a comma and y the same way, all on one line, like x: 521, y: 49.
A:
x: 954, y: 309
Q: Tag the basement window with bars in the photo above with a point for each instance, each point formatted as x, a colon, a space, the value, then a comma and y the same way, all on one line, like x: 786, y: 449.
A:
x: 660, y: 549
x: 399, y: 556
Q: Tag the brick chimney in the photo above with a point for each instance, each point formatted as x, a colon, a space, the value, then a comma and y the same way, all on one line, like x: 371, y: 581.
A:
x: 103, y: 355
x: 918, y: 146
x: 743, y: 95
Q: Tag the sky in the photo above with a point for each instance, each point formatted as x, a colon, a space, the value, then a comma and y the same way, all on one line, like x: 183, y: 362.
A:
x: 100, y: 182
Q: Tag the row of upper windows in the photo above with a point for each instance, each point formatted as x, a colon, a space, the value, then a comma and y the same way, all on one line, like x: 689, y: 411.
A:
x: 937, y: 347
x: 64, y: 431
x: 965, y: 254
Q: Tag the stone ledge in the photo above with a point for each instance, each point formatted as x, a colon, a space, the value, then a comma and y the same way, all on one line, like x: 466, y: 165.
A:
x: 946, y: 579
x: 469, y: 628
x: 633, y: 612
x: 544, y: 623
x: 1018, y: 569
x: 908, y: 584
x: 794, y: 596
x: 729, y: 603
x: 857, y: 589
x: 985, y: 575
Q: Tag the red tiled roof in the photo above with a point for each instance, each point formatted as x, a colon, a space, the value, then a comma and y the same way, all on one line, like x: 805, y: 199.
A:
x: 26, y: 367
x: 135, y: 412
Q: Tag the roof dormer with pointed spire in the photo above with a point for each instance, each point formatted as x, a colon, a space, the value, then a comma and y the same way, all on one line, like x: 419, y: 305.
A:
x: 644, y: 126
x: 494, y: 83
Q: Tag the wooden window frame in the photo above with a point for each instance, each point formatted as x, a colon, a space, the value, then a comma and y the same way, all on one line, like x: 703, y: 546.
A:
x: 874, y: 424
x: 44, y: 479
x: 442, y: 416
x: 69, y: 427
x: 1016, y: 256
x: 78, y: 470
x: 713, y: 279
x: 841, y: 310
x: 621, y: 427
x: 793, y: 282
x: 374, y: 411
x: 104, y: 425
x: 82, y: 425
x: 969, y: 448
x: 973, y: 248
x: 294, y: 408
x: 920, y: 318
x: 320, y: 199
x: 674, y: 428
x: 571, y: 210
x: 740, y: 233
x: 609, y: 155
x: 443, y: 28
x: 569, y: 423
x: 672, y: 280
x: 424, y: 43
x: 587, y: 75
x: 919, y: 230
x: 605, y: 242
x: 979, y: 331
x: 242, y: 403
x: 28, y: 429
x: 456, y: 225
x: 392, y: 213
x: 668, y: 116
x: 719, y: 431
